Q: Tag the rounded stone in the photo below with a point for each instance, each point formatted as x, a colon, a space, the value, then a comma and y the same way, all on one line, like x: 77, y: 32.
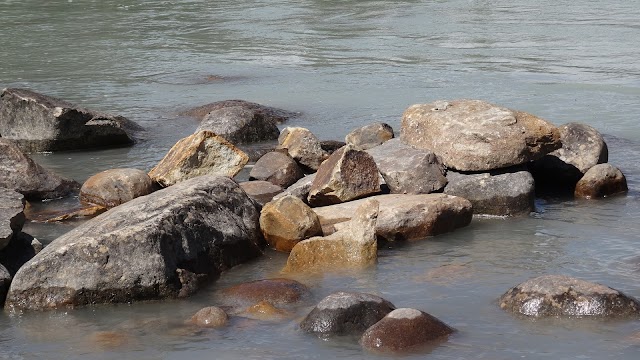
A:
x: 275, y: 291
x: 113, y: 187
x: 600, y: 181
x: 277, y: 168
x: 211, y: 316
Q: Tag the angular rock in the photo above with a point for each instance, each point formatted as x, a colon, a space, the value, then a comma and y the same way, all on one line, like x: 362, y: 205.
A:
x: 369, y: 136
x: 404, y: 329
x: 559, y: 295
x: 403, y: 217
x: 275, y: 291
x: 502, y: 192
x: 210, y: 317
x: 407, y: 170
x: 12, y: 215
x: 346, y: 313
x: 151, y: 247
x: 330, y: 146
x: 275, y: 115
x: 261, y: 191
x: 601, y: 180
x: 277, y: 168
x: 299, y: 189
x: 355, y: 246
x: 473, y: 135
x: 20, y: 173
x: 240, y: 125
x: 347, y: 174
x: 113, y: 187
x: 302, y: 146
x: 203, y: 153
x: 39, y: 122
x: 287, y: 221
x: 21, y: 249
x: 5, y: 281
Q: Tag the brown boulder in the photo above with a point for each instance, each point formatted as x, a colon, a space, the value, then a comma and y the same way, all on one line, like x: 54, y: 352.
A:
x: 210, y: 316
x: 277, y: 116
x: 369, y: 136
x: 287, y: 221
x: 278, y: 168
x: 302, y: 146
x: 275, y: 291
x: 111, y: 188
x: 260, y: 191
x: 602, y: 180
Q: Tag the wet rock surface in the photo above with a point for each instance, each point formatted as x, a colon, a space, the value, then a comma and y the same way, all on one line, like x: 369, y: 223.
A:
x: 279, y: 291
x: 277, y: 168
x: 369, y: 136
x: 275, y: 115
x: 113, y: 187
x: 239, y: 124
x: 210, y: 317
x: 600, y: 181
x: 287, y: 221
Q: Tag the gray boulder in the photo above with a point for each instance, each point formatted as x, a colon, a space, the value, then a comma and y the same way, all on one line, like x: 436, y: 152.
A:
x: 299, y: 189
x: 39, y: 122
x: 275, y: 115
x: 11, y: 215
x: 238, y: 124
x: 260, y: 191
x: 369, y: 136
x: 277, y: 168
x: 163, y: 245
x: 600, y: 181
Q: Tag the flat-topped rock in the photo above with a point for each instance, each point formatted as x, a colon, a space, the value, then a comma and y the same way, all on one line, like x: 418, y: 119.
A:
x: 275, y: 115
x: 279, y: 291
x: 261, y: 191
x: 239, y: 124
x: 12, y: 215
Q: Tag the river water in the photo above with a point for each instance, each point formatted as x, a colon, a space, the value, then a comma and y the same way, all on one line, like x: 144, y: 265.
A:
x: 343, y: 64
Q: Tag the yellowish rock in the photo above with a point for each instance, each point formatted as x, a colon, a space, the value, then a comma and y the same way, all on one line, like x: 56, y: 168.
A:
x: 287, y: 221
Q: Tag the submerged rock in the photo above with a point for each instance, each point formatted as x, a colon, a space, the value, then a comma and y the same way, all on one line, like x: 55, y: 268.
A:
x: 239, y: 124
x: 369, y: 136
x: 113, y: 187
x: 600, y: 181
x: 265, y: 311
x: 275, y: 115
x: 302, y: 146
x: 559, y: 295
x: 210, y: 317
x: 12, y: 215
x: 275, y: 291
x: 287, y: 221
x: 277, y: 168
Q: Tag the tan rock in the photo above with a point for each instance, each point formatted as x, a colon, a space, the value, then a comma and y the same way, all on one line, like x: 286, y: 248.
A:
x: 303, y: 146
x: 211, y: 316
x: 369, y: 136
x: 287, y: 221
x: 201, y: 153
x: 600, y: 181
x: 260, y: 191
x: 275, y: 291
x: 265, y: 311
x: 113, y: 187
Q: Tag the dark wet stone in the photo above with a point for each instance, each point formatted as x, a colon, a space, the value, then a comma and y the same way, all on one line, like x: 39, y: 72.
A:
x: 330, y: 146
x: 261, y: 191
x: 277, y: 116
x: 601, y: 180
x: 239, y: 125
x: 5, y: 282
x: 275, y: 291
x: 21, y: 249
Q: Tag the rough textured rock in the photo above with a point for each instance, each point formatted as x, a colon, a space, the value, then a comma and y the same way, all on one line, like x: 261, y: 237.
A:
x: 404, y: 329
x: 299, y: 189
x: 302, y: 146
x: 559, y: 295
x: 369, y: 136
x: 503, y: 192
x: 277, y: 168
x: 355, y: 246
x: 5, y: 281
x: 261, y: 191
x: 275, y: 291
x: 277, y: 116
x: 403, y: 217
x: 287, y: 221
x: 38, y: 122
x: 113, y: 187
x: 199, y: 154
x: 210, y: 317
x: 600, y: 181
x: 346, y: 313
x: 347, y: 174
x: 157, y: 246
x: 407, y: 170
x: 12, y: 215
x: 473, y: 135
x: 240, y: 125
x: 65, y: 212
x: 19, y: 172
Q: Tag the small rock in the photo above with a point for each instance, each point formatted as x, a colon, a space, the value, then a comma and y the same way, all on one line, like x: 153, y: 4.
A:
x: 113, y: 187
x: 299, y: 189
x: 260, y: 191
x: 601, y: 180
x: 286, y: 221
x: 369, y: 136
x: 277, y: 116
x: 330, y: 146
x: 275, y: 291
x: 265, y: 311
x: 240, y: 125
x: 210, y: 317
x: 12, y: 215
x: 277, y: 168
x: 302, y: 146
x: 5, y: 281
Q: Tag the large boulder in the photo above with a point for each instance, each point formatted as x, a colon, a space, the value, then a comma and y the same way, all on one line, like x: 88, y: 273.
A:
x: 355, y: 246
x: 162, y: 245
x: 299, y: 189
x: 287, y: 221
x: 346, y: 313
x: 113, y: 187
x: 559, y: 295
x: 260, y: 191
x: 473, y: 135
x: 203, y: 153
x: 600, y: 181
x: 408, y: 170
x: 278, y: 168
x: 369, y: 136
x: 275, y: 115
x: 278, y: 291
x: 20, y: 173
x: 503, y: 192
x: 12, y: 215
x: 403, y: 217
x: 39, y: 122
x: 302, y: 146
x: 404, y: 330
x: 240, y: 125
x: 347, y: 174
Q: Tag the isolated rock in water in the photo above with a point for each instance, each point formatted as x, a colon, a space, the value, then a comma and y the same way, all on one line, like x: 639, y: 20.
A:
x: 299, y: 189
x: 20, y: 173
x: 274, y: 115
x: 408, y: 170
x: 369, y: 136
x: 503, y: 192
x: 404, y: 329
x: 210, y: 317
x: 347, y: 174
x: 111, y: 188
x: 157, y: 246
x: 203, y: 153
x: 261, y: 191
x: 12, y: 215
x: 355, y: 246
x: 346, y: 313
x: 275, y: 291
x: 39, y: 122
x: 302, y: 146
x: 473, y: 135
x: 403, y: 217
x: 5, y: 281
x: 240, y: 125
x: 559, y: 295
x: 287, y: 221
x: 278, y: 168
x: 600, y: 181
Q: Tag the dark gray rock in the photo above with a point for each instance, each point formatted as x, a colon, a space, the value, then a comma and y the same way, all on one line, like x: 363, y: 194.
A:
x: 158, y: 246
x: 11, y: 215
x: 261, y: 191
x: 39, y: 122
x: 503, y: 192
x: 239, y: 124
x: 20, y: 173
x: 346, y: 313
x: 559, y: 295
x: 275, y: 115
x: 299, y: 189
x: 369, y: 136
x: 330, y: 146
x: 277, y: 168
x: 5, y: 281
x: 407, y: 170
x: 602, y: 180
x: 21, y: 249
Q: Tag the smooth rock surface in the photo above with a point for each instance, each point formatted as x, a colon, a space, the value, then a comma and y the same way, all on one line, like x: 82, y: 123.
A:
x: 346, y: 313
x: 299, y: 189
x: 5, y: 281
x: 559, y: 295
x: 369, y: 136
x: 302, y: 146
x: 238, y: 124
x: 162, y: 245
x: 277, y: 168
x: 12, y: 215
x: 265, y: 311
x: 473, y: 135
x: 203, y: 153
x: 287, y: 221
x: 272, y: 114
x: 600, y: 181
x: 210, y: 317
x: 277, y: 291
x: 113, y: 187
x: 261, y: 191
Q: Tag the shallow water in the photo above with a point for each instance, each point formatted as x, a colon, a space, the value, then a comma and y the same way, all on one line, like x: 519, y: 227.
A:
x: 344, y: 64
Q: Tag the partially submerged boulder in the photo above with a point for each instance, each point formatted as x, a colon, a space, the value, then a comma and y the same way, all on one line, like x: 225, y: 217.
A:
x: 275, y: 115
x: 600, y: 181
x: 278, y: 168
x: 162, y: 245
x: 113, y: 187
x: 277, y: 291
x: 369, y: 136
x: 261, y: 191
x: 287, y: 221
x: 210, y: 317
x: 12, y: 215
x: 238, y: 124
x: 39, y: 122
x: 302, y: 146
x: 473, y: 135
x: 5, y: 281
